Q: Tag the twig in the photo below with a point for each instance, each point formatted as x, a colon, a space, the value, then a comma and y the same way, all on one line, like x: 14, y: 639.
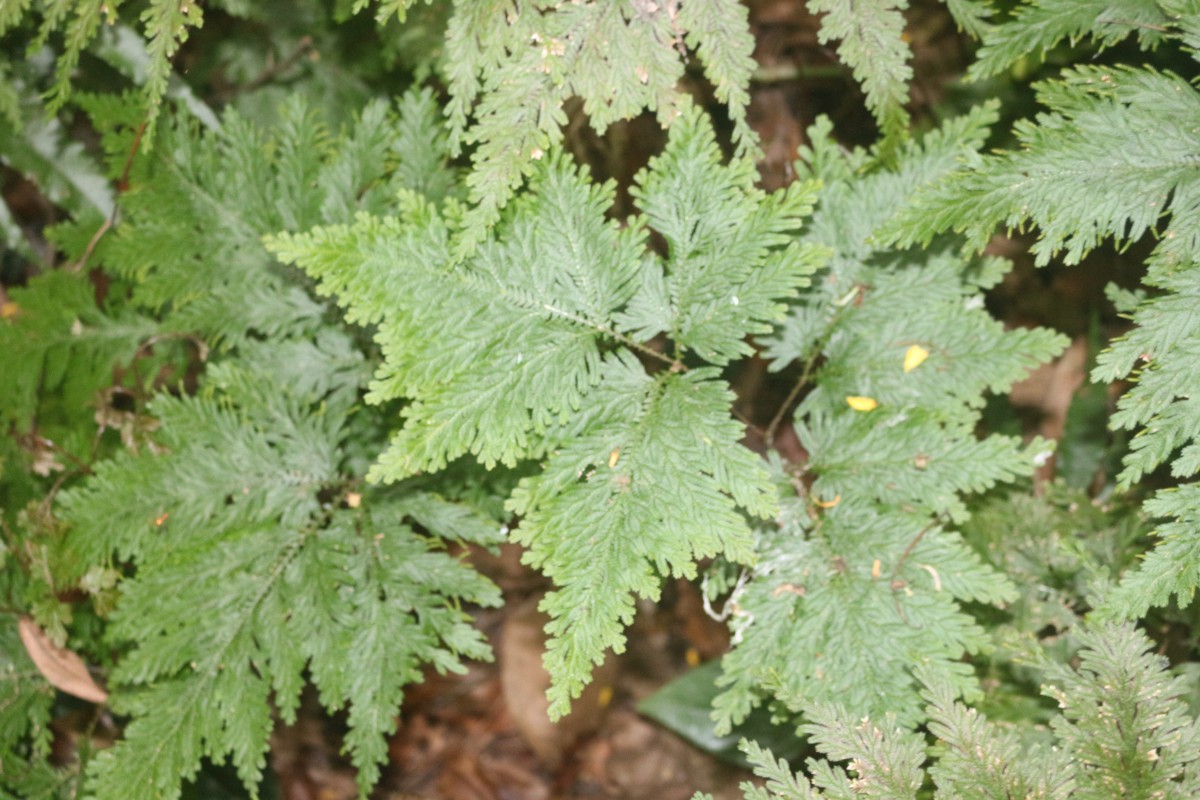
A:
x: 271, y: 71
x: 911, y: 546
x: 122, y: 185
x: 809, y: 365
x: 897, y: 584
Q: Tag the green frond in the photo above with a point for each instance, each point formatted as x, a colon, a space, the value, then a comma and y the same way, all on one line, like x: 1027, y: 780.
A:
x: 386, y: 9
x: 1038, y: 25
x: 1079, y: 180
x: 864, y: 554
x: 910, y: 458
x: 1077, y: 175
x: 512, y: 64
x: 719, y: 32
x: 884, y: 759
x: 1124, y: 722
x: 1124, y: 731
x: 528, y: 349
x: 654, y: 487
x: 972, y: 16
x: 781, y: 783
x: 859, y: 575
x: 231, y: 512
x: 870, y: 41
x: 1172, y: 568
x: 976, y: 759
x: 731, y: 258
x: 57, y: 338
x: 25, y: 703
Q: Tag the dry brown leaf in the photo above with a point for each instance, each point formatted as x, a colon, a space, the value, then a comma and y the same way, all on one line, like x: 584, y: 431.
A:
x: 524, y: 681
x: 64, y: 669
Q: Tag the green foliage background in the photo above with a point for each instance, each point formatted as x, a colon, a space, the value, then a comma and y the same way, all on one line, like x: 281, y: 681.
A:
x: 280, y: 361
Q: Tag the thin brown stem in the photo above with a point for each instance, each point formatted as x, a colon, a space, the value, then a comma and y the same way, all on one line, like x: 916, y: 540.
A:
x: 801, y: 382
x: 675, y: 364
x: 111, y: 220
x: 274, y: 70
x: 810, y: 364
x: 909, y: 549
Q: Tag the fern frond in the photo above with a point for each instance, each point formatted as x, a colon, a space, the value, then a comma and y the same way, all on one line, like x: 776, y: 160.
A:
x: 1113, y: 156
x: 1172, y: 568
x: 655, y: 486
x: 25, y: 702
x: 972, y: 16
x: 244, y: 183
x: 863, y: 554
x: 1038, y: 25
x: 166, y: 25
x: 1124, y: 731
x: 619, y: 58
x: 731, y: 253
x: 1124, y: 723
x: 871, y: 43
x: 781, y: 783
x: 860, y: 575
x: 719, y: 33
x: 57, y: 338
x: 529, y: 349
x: 976, y: 759
x: 884, y: 760
x: 232, y: 513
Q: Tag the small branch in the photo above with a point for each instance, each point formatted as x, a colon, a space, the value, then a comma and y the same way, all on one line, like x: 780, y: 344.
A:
x: 122, y: 185
x: 272, y: 71
x: 909, y: 549
x: 810, y: 364
x: 675, y: 364
x: 783, y: 73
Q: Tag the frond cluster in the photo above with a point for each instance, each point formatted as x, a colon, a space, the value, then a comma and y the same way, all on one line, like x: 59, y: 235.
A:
x: 537, y: 347
x: 1124, y: 731
x: 260, y: 561
x: 166, y: 25
x: 1039, y: 25
x: 246, y: 584
x: 1113, y: 159
x: 512, y: 64
x: 865, y: 551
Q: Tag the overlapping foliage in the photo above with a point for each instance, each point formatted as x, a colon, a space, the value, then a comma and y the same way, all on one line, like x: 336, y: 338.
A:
x: 207, y: 497
x: 529, y: 350
x: 1112, y: 160
x: 1124, y: 731
x: 244, y: 493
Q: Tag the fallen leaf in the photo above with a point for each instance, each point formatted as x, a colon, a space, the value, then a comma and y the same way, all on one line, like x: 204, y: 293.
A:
x: 524, y: 681
x: 61, y: 667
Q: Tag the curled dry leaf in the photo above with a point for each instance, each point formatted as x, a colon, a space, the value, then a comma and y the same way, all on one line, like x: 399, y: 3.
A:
x: 64, y: 669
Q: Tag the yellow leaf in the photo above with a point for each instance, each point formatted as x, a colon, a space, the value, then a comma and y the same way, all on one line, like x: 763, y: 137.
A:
x: 914, y: 357
x: 613, y: 457
x: 827, y: 503
x: 9, y: 310
x: 862, y: 403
